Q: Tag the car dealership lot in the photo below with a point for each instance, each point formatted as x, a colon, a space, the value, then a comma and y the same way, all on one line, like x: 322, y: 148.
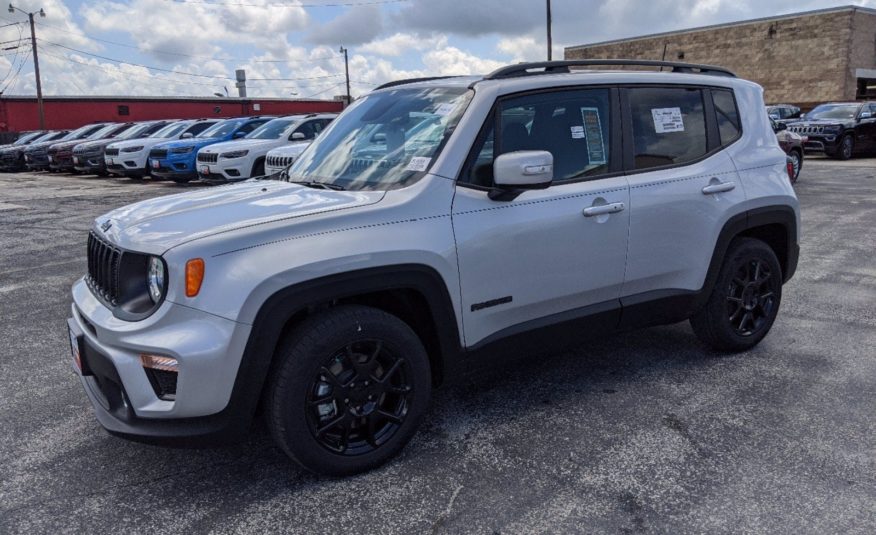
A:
x: 638, y: 432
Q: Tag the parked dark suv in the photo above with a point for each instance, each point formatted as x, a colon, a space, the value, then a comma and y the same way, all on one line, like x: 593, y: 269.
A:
x: 783, y: 113
x: 839, y: 129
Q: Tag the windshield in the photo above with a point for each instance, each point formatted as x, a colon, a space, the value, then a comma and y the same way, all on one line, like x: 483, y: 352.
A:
x: 135, y: 131
x: 27, y: 137
x: 103, y: 132
x: 272, y: 129
x: 385, y: 140
x: 78, y: 133
x: 171, y: 130
x: 834, y: 111
x: 221, y: 129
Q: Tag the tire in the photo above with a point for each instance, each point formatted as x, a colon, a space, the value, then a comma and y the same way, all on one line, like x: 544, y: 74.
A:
x: 348, y: 390
x: 845, y: 149
x: 258, y: 168
x: 797, y: 157
x: 181, y: 180
x: 740, y: 311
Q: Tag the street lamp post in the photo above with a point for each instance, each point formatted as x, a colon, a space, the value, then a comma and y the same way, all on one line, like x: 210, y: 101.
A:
x: 36, y: 61
x: 347, y: 72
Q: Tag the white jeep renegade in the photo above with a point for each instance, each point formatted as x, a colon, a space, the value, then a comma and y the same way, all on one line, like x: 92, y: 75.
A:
x: 433, y: 222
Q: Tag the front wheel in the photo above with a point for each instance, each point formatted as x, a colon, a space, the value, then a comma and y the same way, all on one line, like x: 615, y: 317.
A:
x: 745, y: 299
x: 846, y: 148
x: 349, y: 390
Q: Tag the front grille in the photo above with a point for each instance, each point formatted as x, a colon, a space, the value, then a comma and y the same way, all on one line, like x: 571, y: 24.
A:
x: 80, y: 151
x: 158, y: 153
x: 279, y: 161
x: 807, y: 129
x: 111, y: 152
x: 208, y: 157
x: 103, y: 268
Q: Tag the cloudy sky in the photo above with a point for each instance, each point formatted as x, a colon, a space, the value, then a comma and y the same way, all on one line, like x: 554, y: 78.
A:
x: 192, y: 47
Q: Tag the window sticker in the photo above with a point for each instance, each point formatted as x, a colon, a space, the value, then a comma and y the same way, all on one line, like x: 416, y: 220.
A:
x: 444, y: 109
x: 577, y: 132
x: 667, y: 120
x: 418, y: 163
x: 593, y: 133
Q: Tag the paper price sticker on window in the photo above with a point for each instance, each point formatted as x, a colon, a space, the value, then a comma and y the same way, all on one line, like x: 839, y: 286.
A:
x: 667, y: 120
x: 444, y: 109
x: 418, y: 163
x: 577, y: 132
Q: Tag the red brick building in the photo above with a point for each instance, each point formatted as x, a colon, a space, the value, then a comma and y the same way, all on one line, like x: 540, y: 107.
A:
x: 18, y: 114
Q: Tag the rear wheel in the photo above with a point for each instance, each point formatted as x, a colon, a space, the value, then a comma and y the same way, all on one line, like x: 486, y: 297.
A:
x: 797, y: 163
x: 745, y: 299
x: 349, y: 390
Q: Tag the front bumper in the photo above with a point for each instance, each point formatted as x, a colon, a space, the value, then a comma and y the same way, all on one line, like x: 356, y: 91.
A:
x: 208, y: 349
x: 61, y: 163
x: 817, y: 143
x: 91, y: 163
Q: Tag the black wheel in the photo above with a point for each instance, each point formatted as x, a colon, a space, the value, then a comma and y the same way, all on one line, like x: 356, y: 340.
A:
x: 846, y: 148
x: 745, y: 300
x: 349, y: 390
x: 797, y: 163
x: 258, y: 169
x: 181, y: 180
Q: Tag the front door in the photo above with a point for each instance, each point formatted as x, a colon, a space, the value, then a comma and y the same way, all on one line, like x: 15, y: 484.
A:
x: 544, y: 255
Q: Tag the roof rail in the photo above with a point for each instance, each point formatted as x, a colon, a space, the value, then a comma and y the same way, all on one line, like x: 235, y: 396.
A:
x: 410, y: 81
x: 553, y: 67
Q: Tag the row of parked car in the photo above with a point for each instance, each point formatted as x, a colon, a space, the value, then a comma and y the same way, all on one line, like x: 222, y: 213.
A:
x: 838, y: 129
x: 214, y: 150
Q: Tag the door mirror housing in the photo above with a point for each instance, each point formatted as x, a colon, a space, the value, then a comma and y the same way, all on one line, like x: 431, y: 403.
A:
x: 239, y: 135
x: 525, y: 169
x: 298, y: 136
x: 866, y: 115
x: 187, y: 135
x: 781, y: 126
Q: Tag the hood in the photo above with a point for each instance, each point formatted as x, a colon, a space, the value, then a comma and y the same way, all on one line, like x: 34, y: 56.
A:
x: 156, y: 225
x: 12, y: 149
x: 63, y: 145
x: 196, y: 142
x: 96, y: 144
x: 145, y: 142
x: 290, y: 150
x: 40, y: 146
x: 846, y: 123
x: 242, y: 144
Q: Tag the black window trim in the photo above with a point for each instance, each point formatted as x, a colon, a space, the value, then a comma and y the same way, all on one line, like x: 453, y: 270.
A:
x: 739, y: 115
x: 615, y: 164
x: 713, y: 143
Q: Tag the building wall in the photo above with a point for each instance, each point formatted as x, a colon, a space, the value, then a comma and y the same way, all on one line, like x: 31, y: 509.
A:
x: 800, y: 59
x: 20, y: 114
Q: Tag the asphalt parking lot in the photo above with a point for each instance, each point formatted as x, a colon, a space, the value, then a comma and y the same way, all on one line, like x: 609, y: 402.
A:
x: 639, y: 433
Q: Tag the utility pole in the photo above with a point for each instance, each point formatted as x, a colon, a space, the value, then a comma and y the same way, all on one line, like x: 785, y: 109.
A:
x: 240, y: 74
x: 347, y: 72
x: 36, y: 62
x: 550, y: 43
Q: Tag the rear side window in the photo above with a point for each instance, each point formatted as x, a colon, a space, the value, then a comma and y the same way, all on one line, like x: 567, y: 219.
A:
x: 669, y: 125
x: 573, y: 126
x: 249, y: 127
x: 729, y: 126
x: 197, y: 128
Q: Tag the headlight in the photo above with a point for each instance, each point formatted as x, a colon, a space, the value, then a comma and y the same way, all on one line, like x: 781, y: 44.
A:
x: 234, y: 154
x: 181, y: 150
x: 133, y: 149
x: 155, y: 278
x: 833, y: 128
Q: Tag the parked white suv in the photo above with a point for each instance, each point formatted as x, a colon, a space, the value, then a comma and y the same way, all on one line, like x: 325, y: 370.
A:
x: 245, y: 158
x: 282, y: 157
x: 537, y: 205
x: 131, y: 157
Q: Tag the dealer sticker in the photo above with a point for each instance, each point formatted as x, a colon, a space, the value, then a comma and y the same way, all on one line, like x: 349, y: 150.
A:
x: 418, y: 163
x: 667, y: 120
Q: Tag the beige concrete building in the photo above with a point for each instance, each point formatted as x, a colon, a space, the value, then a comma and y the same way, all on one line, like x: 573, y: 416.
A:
x: 803, y: 58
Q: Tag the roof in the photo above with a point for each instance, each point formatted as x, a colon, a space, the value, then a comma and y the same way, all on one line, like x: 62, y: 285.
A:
x: 122, y: 98
x: 824, y: 11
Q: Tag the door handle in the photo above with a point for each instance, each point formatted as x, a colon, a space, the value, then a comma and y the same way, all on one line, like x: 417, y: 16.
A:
x: 718, y: 187
x: 612, y: 208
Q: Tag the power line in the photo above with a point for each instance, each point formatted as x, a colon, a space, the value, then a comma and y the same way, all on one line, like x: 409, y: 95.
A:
x: 305, y: 6
x: 181, y: 54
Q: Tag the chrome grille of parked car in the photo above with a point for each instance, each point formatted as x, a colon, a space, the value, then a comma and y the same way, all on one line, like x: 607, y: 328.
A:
x: 103, y: 268
x: 279, y: 161
x: 208, y: 157
x: 807, y: 129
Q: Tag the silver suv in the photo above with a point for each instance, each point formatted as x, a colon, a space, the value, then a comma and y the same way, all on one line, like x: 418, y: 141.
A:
x: 435, y: 222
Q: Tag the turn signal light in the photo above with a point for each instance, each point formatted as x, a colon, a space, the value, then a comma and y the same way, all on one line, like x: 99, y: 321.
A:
x: 194, y: 276
x: 156, y: 362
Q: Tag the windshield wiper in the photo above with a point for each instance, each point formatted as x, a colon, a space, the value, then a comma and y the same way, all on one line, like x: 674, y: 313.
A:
x: 318, y: 185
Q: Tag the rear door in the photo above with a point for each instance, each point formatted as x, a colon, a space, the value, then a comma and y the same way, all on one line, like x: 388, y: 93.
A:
x: 683, y: 186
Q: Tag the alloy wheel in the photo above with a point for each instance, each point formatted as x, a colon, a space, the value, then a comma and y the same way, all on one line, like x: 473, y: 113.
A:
x: 359, y: 398
x: 750, y: 299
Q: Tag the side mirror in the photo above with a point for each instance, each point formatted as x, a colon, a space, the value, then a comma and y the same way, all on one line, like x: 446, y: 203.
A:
x: 781, y: 126
x: 298, y: 136
x: 866, y: 115
x: 774, y: 116
x: 525, y: 169
x: 187, y: 135
x: 239, y: 135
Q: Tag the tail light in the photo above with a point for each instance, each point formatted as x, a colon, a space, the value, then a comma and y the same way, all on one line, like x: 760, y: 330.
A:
x: 790, y: 167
